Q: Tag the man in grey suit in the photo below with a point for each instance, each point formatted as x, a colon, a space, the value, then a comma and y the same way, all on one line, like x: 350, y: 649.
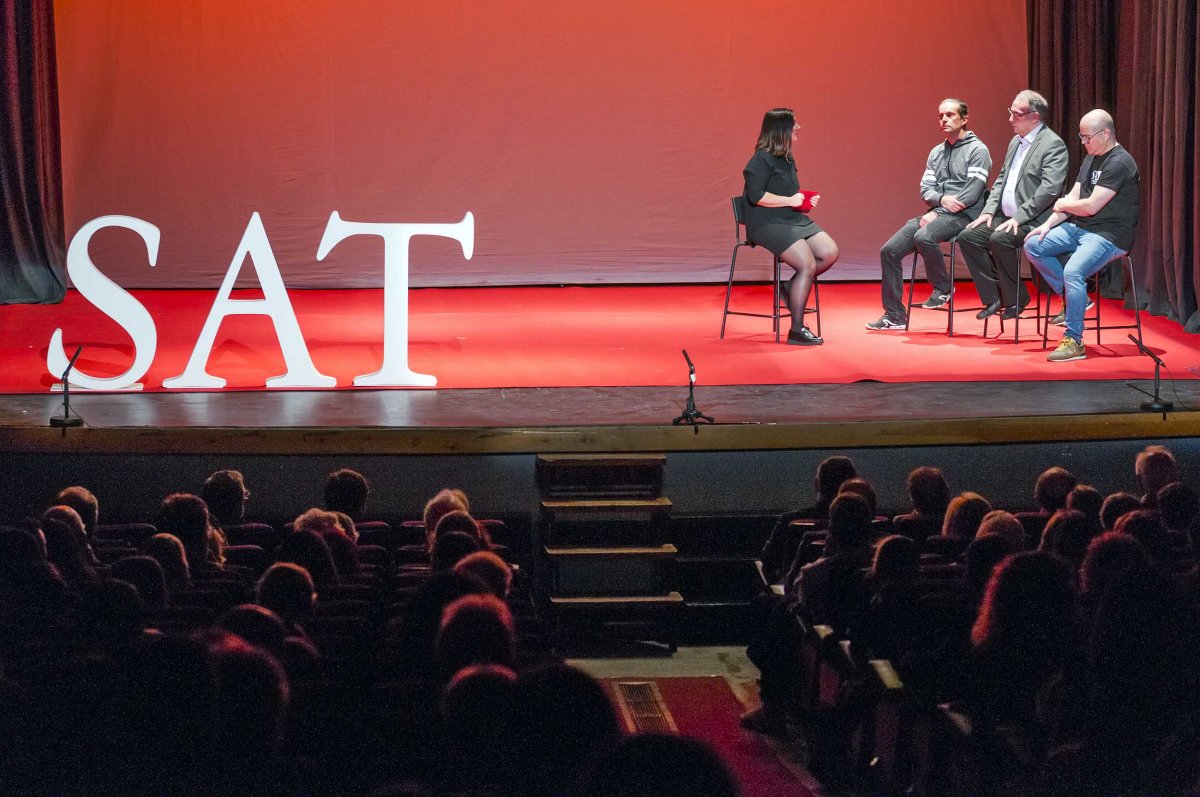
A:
x: 1033, y: 175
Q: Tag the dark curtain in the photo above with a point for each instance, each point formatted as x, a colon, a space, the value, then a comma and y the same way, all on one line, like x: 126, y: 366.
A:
x: 1136, y: 59
x: 32, y: 248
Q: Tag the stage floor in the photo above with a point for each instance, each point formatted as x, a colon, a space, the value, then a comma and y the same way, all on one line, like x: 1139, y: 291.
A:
x: 532, y: 420
x: 592, y: 337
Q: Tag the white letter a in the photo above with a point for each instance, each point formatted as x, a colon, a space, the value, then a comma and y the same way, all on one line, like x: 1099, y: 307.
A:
x: 275, y: 304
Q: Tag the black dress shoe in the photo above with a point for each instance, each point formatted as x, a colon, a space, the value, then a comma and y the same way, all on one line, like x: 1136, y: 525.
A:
x: 989, y: 311
x: 1012, y: 311
x: 804, y: 337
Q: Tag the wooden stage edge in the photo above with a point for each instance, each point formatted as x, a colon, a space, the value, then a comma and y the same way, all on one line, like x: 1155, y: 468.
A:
x: 611, y: 419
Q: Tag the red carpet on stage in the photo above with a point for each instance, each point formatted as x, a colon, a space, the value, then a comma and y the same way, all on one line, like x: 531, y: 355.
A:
x: 705, y: 708
x: 577, y: 337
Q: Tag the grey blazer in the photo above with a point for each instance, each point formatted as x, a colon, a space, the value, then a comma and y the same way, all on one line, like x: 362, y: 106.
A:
x: 1043, y: 175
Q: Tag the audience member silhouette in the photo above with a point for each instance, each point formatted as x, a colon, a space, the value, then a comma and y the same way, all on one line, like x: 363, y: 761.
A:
x: 1004, y: 524
x: 168, y: 551
x: 562, y: 717
x: 1154, y: 468
x: 1114, y: 507
x: 778, y: 552
x: 1067, y: 534
x: 475, y: 629
x: 225, y: 494
x: 930, y: 495
x: 450, y: 549
x: 146, y: 574
x: 1050, y: 492
x: 346, y: 491
x: 489, y: 567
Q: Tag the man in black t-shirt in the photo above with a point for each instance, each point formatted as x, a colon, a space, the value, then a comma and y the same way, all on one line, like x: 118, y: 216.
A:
x: 1094, y: 224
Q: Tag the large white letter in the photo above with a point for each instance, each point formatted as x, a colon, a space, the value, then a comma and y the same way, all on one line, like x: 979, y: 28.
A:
x: 395, y: 371
x: 113, y: 301
x: 275, y: 304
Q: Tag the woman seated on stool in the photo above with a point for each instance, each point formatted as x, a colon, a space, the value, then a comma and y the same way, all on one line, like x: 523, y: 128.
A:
x: 775, y: 222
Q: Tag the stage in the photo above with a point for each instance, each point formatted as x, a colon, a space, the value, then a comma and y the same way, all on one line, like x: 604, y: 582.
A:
x: 893, y: 399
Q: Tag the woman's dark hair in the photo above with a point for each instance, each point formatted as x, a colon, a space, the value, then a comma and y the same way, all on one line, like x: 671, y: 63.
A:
x: 776, y: 134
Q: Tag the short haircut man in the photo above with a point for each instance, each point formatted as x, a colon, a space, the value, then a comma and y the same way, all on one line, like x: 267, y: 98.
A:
x: 1030, y: 180
x: 1092, y: 225
x: 952, y: 187
x: 346, y: 491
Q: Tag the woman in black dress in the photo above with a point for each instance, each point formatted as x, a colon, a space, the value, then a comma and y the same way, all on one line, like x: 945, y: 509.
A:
x: 775, y: 222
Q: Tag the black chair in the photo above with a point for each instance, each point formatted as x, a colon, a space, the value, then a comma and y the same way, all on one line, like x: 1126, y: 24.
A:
x: 780, y: 304
x: 949, y: 309
x: 1093, y: 321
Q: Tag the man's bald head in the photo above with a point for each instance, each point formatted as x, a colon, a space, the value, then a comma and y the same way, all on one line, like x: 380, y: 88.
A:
x: 1098, y: 119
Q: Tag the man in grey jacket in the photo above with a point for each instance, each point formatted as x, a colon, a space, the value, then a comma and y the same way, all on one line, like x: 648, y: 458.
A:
x: 1032, y: 177
x: 953, y: 187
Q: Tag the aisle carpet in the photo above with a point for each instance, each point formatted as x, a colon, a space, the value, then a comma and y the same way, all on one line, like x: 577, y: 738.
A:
x: 707, y: 709
x: 575, y: 336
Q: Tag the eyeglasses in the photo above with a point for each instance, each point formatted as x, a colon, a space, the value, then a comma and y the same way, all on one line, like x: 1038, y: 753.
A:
x: 1015, y: 114
x: 1089, y: 137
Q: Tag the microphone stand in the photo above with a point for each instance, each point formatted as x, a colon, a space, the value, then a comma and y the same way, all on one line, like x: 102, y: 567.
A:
x: 691, y: 415
x: 66, y: 420
x: 1157, y: 405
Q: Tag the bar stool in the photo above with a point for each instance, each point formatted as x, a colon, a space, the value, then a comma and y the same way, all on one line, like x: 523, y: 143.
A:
x: 780, y: 304
x: 1035, y: 279
x: 947, y: 308
x: 1095, y: 318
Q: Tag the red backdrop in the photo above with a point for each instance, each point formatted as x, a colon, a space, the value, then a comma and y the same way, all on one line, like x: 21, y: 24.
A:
x: 594, y: 142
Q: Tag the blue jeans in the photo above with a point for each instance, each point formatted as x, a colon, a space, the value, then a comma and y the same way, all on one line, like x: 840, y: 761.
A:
x: 1089, y: 253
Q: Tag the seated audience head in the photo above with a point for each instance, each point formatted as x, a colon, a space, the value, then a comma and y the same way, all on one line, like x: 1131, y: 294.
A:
x: 1006, y: 525
x: 475, y: 629
x: 1109, y: 555
x: 256, y: 624
x: 489, y: 567
x: 964, y: 515
x: 1028, y: 614
x: 83, y: 502
x: 411, y: 636
x: 146, y: 575
x: 65, y: 549
x: 983, y: 554
x: 928, y: 491
x: 346, y: 491
x: 450, y: 549
x: 1052, y: 488
x: 865, y: 489
x: 225, y: 494
x: 658, y: 765
x: 850, y: 521
x: 252, y: 695
x: 287, y: 590
x: 316, y: 520
x: 347, y: 525
x: 1155, y: 468
x: 1067, y: 534
x: 562, y: 715
x: 307, y: 549
x: 1145, y: 526
x: 476, y: 708
x: 458, y: 521
x: 1178, y: 505
x: 445, y: 502
x: 1088, y: 500
x: 168, y: 551
x: 1115, y: 506
x: 832, y: 473
x: 186, y: 517
x: 896, y: 560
